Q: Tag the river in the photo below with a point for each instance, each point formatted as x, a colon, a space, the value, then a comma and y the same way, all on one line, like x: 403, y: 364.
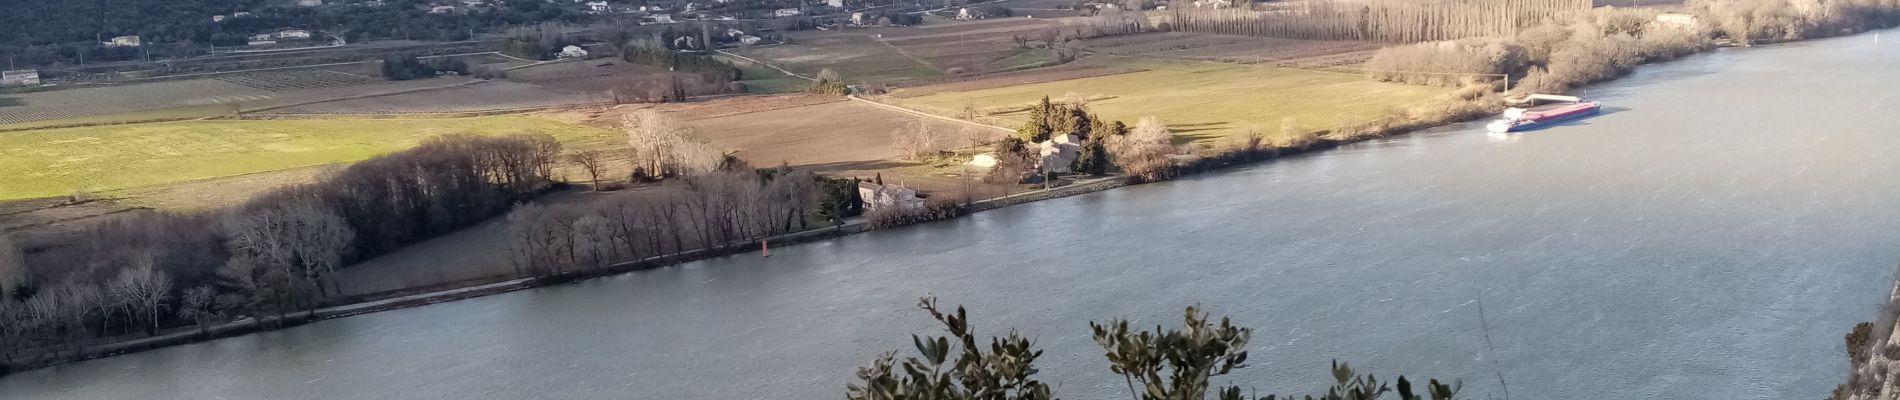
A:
x: 1711, y: 237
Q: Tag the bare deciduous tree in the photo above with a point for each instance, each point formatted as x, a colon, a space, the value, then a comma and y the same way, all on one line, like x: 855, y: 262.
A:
x: 300, y: 237
x: 591, y: 162
x: 141, y: 291
x: 916, y: 141
x: 198, y: 306
x: 1145, y: 152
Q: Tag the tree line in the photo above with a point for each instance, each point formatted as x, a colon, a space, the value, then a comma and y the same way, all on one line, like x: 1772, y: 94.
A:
x: 274, y: 255
x: 1158, y: 364
x: 707, y: 199
x: 1562, y: 53
x: 1391, y: 21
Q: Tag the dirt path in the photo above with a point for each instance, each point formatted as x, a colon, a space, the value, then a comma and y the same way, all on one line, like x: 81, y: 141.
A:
x: 929, y: 115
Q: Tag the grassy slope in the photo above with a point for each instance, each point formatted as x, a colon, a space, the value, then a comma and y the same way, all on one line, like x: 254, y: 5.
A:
x: 1206, y: 101
x: 56, y: 162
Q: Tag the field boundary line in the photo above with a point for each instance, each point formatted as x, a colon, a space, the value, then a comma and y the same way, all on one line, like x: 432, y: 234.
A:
x: 363, y: 96
x: 197, y: 74
x: 767, y: 65
x: 925, y: 114
x: 421, y: 114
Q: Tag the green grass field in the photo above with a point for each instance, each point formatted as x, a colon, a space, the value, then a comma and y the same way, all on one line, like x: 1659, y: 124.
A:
x: 1203, y: 101
x: 54, y: 162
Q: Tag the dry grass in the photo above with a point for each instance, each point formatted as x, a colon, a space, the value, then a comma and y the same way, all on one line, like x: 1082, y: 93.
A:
x: 1203, y: 102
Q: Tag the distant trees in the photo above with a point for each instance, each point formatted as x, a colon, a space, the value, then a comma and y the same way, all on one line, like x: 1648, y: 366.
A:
x: 538, y: 41
x: 1392, y: 21
x: 828, y: 83
x: 402, y: 67
x: 1553, y: 57
x: 1761, y: 21
x: 1159, y: 364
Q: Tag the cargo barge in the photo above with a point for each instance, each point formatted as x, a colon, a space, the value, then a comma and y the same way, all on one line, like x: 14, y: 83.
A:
x: 1534, y: 116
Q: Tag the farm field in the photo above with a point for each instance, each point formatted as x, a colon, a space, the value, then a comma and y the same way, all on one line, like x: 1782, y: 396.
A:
x: 56, y: 162
x: 1236, y: 49
x: 484, y: 96
x: 249, y: 90
x: 829, y: 137
x: 961, y: 48
x: 856, y: 57
x: 1203, y: 101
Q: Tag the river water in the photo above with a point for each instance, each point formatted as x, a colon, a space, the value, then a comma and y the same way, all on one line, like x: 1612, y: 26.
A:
x: 1712, y: 237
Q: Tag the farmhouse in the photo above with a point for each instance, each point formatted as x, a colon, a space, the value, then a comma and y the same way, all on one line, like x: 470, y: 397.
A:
x: 442, y: 9
x: 24, y: 77
x: 835, y: 3
x: 1678, y: 20
x: 1059, y: 152
x: 877, y: 197
x: 598, y: 6
x: 291, y: 34
x: 787, y: 12
x: 123, y: 41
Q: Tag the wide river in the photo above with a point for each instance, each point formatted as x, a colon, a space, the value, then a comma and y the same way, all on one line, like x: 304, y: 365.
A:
x: 1710, y: 238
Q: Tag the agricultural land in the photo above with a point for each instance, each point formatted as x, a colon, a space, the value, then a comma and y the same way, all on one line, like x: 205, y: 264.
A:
x: 1205, y: 101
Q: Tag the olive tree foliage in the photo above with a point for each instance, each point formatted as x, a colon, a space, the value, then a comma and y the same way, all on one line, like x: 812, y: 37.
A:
x: 1173, y: 364
x: 954, y: 367
x: 1176, y: 364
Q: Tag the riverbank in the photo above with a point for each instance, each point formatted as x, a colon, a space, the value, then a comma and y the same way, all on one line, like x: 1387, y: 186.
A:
x: 1193, y: 165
